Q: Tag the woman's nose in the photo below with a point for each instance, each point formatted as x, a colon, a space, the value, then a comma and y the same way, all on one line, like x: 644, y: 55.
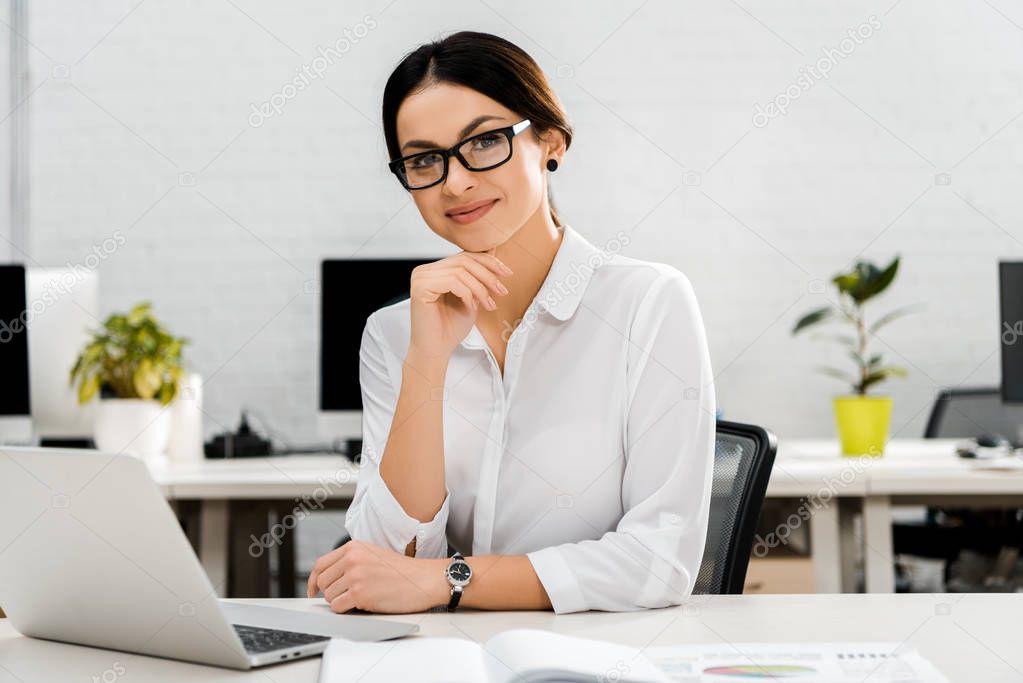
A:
x: 459, y: 178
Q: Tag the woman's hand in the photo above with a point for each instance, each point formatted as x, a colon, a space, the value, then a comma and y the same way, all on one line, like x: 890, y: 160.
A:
x: 375, y: 579
x: 445, y: 298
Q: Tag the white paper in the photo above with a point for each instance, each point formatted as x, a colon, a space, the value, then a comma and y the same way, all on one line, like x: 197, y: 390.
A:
x: 838, y: 662
x: 447, y: 660
x: 514, y: 655
x: 536, y: 655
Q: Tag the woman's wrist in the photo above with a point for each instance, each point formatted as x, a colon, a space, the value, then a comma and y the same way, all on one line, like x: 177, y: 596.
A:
x: 430, y: 366
x: 437, y: 585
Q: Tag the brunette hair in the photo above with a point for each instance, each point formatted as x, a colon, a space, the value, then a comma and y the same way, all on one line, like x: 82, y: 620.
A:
x: 489, y: 65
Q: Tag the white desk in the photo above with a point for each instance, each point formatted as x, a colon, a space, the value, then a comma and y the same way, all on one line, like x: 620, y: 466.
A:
x: 969, y: 637
x: 912, y: 471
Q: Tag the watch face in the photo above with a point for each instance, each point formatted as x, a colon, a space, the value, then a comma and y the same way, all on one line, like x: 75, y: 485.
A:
x: 459, y: 573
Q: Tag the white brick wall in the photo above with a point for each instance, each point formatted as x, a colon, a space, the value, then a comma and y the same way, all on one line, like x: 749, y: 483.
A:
x: 137, y: 95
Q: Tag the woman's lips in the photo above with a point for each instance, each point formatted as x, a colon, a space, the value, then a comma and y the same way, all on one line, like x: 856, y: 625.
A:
x: 474, y: 215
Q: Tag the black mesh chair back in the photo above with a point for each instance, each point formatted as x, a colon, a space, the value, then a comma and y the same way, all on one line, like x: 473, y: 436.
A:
x: 970, y: 412
x: 743, y: 458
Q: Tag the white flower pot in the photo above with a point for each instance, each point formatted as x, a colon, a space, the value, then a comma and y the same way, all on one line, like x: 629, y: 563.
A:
x: 137, y: 426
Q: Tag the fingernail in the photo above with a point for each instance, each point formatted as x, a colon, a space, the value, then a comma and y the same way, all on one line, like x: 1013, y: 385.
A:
x: 493, y: 304
x: 501, y: 288
x: 510, y: 271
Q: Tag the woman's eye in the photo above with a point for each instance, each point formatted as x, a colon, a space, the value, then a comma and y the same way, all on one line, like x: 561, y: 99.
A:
x: 486, y: 141
x: 425, y: 161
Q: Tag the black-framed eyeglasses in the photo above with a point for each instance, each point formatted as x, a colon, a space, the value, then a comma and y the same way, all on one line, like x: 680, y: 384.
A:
x: 480, y: 152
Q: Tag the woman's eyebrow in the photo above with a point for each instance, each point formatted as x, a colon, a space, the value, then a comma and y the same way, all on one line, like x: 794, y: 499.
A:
x: 427, y: 144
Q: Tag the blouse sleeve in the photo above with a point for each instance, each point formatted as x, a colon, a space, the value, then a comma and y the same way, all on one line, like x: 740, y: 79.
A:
x: 374, y: 514
x: 653, y: 556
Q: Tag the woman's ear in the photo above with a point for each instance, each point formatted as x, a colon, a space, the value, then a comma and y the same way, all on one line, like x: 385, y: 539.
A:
x: 553, y: 144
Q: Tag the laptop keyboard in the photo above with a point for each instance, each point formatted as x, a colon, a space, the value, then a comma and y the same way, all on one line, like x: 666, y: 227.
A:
x: 258, y: 640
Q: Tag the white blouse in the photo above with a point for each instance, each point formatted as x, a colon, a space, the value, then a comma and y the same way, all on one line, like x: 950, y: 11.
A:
x: 592, y: 455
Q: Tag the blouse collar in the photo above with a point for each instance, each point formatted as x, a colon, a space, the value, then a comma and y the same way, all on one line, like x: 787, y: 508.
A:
x: 563, y: 288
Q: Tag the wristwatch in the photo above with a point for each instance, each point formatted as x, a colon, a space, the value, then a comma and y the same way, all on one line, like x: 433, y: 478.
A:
x: 458, y: 574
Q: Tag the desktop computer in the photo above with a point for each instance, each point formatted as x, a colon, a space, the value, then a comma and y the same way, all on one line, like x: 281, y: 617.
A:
x: 45, y: 316
x: 15, y: 400
x: 351, y: 290
x: 1010, y: 281
x: 66, y: 309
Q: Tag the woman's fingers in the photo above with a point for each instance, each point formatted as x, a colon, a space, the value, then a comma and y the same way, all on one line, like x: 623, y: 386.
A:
x: 477, y: 288
x: 486, y: 276
x: 321, y: 565
x: 474, y: 276
x: 442, y: 282
x: 490, y: 261
x: 330, y: 576
x: 470, y: 276
x: 342, y: 603
x: 335, y: 588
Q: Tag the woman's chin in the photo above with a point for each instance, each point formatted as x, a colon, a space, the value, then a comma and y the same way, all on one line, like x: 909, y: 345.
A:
x: 477, y: 239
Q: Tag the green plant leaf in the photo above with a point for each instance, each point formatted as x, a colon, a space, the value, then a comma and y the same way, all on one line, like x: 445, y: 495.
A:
x: 146, y: 378
x: 846, y: 282
x: 881, y: 374
x: 866, y: 280
x: 88, y: 388
x: 167, y: 392
x: 893, y: 315
x: 857, y: 358
x: 813, y: 317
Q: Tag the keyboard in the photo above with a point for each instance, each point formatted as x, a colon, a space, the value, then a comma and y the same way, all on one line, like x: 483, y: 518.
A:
x: 258, y: 640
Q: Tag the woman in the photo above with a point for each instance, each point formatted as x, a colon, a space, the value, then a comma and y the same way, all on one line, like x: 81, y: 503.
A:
x: 541, y: 405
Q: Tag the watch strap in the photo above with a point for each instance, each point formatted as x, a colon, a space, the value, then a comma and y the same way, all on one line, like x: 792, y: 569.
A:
x: 456, y: 595
x: 456, y: 591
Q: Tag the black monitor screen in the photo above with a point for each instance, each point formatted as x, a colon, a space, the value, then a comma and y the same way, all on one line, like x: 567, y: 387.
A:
x: 350, y: 291
x: 1011, y: 330
x: 14, y: 398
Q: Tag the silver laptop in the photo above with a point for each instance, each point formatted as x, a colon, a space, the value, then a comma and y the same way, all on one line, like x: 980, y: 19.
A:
x: 91, y: 553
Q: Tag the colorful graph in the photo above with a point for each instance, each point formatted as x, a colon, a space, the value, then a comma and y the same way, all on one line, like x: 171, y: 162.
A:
x: 761, y: 671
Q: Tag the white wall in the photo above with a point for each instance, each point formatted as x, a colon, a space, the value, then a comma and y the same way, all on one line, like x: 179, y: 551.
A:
x: 7, y: 105
x: 142, y: 126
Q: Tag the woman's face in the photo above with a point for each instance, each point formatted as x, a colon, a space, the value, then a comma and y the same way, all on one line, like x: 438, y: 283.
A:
x: 438, y: 116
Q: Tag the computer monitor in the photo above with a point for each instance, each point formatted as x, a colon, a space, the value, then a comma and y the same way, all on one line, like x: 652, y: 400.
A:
x: 15, y: 401
x: 351, y: 290
x: 67, y: 309
x: 1010, y: 281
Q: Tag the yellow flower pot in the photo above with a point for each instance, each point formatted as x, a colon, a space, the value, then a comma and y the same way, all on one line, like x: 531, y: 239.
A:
x: 863, y: 423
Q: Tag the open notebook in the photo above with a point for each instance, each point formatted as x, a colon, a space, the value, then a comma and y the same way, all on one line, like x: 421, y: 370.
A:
x: 512, y: 656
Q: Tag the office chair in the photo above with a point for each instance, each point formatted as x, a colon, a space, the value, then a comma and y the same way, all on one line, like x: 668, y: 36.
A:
x: 969, y: 412
x: 944, y: 532
x: 743, y: 458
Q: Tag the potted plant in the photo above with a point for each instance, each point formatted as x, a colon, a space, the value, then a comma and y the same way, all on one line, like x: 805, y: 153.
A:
x: 134, y: 365
x: 862, y: 420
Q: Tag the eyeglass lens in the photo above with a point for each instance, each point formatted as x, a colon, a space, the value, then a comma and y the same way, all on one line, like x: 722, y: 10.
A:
x: 480, y: 153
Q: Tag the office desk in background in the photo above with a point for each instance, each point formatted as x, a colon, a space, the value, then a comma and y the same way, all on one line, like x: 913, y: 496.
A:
x: 969, y: 636
x: 912, y: 472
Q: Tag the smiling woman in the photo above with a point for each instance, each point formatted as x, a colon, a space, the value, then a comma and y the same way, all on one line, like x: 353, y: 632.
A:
x: 575, y: 475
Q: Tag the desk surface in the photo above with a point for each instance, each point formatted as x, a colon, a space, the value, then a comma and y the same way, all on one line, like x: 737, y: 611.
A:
x: 803, y: 467
x: 908, y: 467
x: 969, y: 637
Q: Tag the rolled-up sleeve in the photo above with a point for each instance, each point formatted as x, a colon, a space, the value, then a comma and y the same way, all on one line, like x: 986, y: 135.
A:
x: 375, y: 515
x: 653, y: 556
